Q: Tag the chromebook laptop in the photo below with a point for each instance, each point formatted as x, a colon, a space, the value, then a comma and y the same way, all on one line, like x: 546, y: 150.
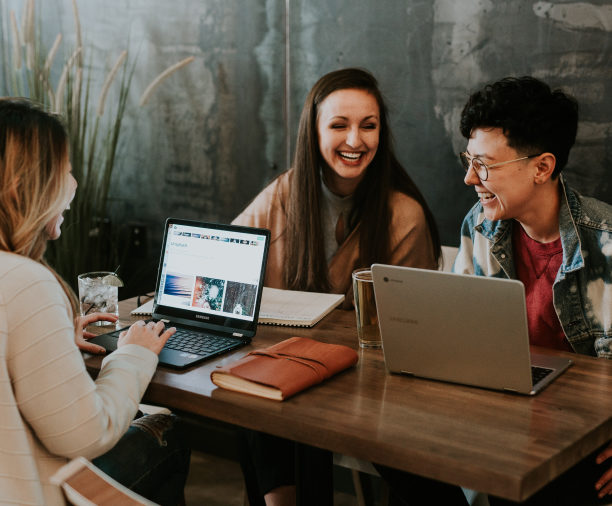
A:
x: 458, y: 328
x: 209, y: 286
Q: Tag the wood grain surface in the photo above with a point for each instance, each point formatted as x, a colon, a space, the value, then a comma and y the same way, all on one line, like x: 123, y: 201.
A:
x: 504, y: 444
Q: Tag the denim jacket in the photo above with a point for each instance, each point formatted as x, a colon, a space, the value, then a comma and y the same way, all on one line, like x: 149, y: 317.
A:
x: 582, y: 291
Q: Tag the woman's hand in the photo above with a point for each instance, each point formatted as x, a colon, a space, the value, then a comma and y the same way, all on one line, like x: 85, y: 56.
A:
x: 81, y: 335
x: 150, y: 335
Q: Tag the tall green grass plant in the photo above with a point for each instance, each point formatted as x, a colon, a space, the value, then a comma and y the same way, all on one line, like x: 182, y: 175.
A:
x: 88, y: 240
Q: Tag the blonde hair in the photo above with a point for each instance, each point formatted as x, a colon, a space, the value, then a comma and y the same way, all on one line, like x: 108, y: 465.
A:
x: 33, y: 179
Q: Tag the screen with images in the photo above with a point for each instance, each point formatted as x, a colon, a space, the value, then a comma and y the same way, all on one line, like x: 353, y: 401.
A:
x: 211, y: 270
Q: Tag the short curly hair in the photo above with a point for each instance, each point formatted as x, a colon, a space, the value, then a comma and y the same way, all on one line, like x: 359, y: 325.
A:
x: 534, y: 118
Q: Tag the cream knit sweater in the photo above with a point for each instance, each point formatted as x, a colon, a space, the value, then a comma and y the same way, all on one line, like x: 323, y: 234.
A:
x: 50, y: 408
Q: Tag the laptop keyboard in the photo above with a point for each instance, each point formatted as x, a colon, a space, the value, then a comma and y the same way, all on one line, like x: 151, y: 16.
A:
x: 197, y: 343
x: 539, y: 373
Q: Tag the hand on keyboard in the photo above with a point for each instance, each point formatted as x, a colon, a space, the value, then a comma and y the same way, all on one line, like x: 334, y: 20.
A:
x: 150, y: 335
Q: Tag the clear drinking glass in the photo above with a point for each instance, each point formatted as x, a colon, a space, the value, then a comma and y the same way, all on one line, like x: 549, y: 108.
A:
x: 98, y: 292
x: 365, y: 309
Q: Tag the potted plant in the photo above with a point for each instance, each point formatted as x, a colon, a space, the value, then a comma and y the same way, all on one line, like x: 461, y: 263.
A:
x: 94, y: 126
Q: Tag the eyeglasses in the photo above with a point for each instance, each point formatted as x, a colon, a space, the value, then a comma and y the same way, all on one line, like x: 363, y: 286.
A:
x: 481, y: 168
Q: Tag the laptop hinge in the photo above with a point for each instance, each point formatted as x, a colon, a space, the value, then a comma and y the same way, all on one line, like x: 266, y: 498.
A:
x: 237, y: 334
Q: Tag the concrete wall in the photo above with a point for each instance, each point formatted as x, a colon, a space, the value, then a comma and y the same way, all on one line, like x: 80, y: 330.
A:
x: 212, y: 136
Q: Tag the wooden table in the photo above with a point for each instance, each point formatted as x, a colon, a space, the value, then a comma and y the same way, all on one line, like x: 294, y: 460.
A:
x: 503, y: 444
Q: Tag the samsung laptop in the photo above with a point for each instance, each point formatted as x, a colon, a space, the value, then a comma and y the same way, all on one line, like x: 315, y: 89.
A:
x: 209, y: 286
x: 458, y: 328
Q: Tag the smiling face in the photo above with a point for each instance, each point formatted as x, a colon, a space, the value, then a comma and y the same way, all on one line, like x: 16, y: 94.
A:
x: 53, y: 228
x: 510, y: 190
x: 348, y: 128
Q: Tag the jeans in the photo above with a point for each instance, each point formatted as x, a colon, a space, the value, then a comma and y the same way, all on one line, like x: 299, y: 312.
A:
x: 150, y: 459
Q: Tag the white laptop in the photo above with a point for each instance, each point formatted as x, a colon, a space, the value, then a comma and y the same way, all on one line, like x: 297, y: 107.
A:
x: 458, y: 328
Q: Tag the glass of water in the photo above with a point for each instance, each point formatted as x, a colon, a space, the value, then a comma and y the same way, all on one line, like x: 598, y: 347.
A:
x: 99, y: 293
x: 365, y: 309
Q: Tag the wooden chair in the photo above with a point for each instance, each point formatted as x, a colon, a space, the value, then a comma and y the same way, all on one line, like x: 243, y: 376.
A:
x: 449, y: 253
x: 359, y: 469
x: 83, y: 484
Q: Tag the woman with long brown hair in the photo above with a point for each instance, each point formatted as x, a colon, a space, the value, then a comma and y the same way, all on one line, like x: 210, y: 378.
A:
x: 50, y: 408
x: 346, y: 203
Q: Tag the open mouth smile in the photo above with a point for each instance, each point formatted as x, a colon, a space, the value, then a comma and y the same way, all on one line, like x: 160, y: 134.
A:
x: 485, y: 197
x: 350, y: 156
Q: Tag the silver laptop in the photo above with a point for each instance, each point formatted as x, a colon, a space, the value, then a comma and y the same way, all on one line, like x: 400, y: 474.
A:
x: 458, y: 328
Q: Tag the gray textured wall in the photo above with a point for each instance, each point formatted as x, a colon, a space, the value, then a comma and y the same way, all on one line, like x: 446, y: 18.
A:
x: 216, y: 132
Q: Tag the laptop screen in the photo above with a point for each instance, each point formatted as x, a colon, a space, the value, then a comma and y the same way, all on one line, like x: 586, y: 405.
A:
x: 211, y: 273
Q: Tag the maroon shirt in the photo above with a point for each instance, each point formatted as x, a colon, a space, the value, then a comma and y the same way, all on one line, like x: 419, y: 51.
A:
x: 537, y: 265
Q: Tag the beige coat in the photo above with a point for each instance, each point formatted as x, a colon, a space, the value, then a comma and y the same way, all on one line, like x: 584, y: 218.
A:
x: 410, y: 238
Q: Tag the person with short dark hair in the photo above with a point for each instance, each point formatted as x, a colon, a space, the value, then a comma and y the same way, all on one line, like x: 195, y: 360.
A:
x: 528, y: 224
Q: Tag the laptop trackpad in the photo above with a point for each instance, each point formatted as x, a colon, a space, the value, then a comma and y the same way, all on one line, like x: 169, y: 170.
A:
x: 109, y: 341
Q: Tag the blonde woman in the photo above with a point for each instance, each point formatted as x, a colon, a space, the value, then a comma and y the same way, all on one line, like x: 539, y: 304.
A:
x: 50, y: 408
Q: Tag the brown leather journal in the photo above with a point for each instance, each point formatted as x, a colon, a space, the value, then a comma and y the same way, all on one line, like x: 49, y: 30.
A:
x: 282, y: 370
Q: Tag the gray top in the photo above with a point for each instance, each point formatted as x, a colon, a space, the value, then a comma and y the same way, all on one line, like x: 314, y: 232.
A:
x: 332, y: 207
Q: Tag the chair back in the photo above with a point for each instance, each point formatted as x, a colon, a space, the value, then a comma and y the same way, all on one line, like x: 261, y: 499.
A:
x: 448, y: 258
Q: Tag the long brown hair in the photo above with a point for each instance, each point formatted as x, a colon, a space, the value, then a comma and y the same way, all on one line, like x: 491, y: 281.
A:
x: 33, y: 189
x: 305, y: 266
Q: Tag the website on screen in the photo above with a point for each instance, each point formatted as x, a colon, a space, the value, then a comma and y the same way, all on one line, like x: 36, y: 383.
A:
x: 211, y: 271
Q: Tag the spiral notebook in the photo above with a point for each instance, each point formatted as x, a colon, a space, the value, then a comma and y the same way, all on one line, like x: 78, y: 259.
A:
x: 145, y: 309
x: 296, y: 309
